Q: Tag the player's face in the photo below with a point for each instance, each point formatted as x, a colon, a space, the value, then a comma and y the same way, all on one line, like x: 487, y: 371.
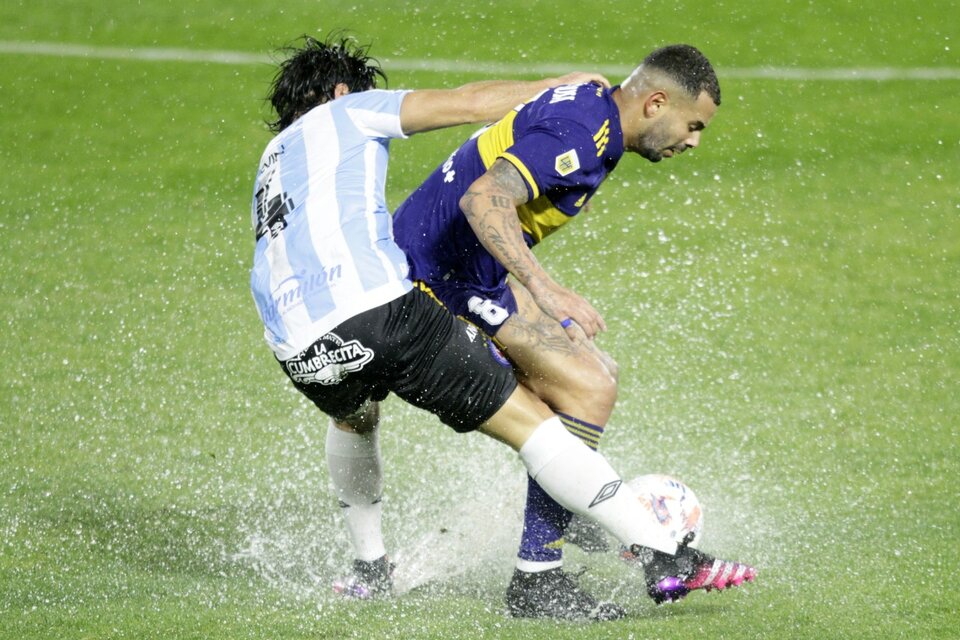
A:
x: 677, y: 129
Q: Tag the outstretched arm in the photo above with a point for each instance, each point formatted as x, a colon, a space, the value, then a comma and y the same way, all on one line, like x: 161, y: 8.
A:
x: 490, y: 206
x: 484, y: 101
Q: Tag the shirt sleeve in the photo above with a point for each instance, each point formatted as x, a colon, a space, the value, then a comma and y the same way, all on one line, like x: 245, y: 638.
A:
x: 556, y: 155
x: 376, y: 112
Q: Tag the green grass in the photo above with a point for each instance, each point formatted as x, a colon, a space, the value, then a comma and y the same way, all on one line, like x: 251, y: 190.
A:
x: 783, y: 303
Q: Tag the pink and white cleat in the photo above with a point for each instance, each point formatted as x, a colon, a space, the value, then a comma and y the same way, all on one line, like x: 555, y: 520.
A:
x: 672, y: 577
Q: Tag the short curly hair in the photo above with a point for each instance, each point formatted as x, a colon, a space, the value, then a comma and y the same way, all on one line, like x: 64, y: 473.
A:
x: 309, y: 74
x: 688, y: 67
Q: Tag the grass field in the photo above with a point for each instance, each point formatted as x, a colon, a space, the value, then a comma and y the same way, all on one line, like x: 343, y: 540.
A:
x: 783, y: 302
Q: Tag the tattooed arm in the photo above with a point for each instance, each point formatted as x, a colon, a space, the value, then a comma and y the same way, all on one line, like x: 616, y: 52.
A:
x: 490, y: 205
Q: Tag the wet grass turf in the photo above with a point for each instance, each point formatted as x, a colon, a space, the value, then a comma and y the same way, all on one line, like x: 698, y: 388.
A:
x: 782, y: 302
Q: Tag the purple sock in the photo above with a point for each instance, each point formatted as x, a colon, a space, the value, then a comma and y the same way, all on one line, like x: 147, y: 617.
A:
x: 544, y: 521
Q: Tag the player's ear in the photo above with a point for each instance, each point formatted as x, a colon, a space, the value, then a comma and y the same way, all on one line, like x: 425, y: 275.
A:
x: 654, y: 103
x: 340, y: 90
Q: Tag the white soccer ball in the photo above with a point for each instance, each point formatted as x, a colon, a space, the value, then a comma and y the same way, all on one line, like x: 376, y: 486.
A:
x: 672, y: 503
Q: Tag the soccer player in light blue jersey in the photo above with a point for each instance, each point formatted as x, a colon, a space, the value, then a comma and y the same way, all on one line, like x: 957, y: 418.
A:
x: 347, y: 326
x: 474, y: 221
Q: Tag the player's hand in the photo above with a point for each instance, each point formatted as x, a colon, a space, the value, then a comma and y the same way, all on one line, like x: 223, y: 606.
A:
x: 573, y: 312
x: 583, y: 77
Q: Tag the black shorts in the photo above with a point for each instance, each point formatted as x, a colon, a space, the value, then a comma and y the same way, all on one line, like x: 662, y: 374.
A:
x: 413, y: 347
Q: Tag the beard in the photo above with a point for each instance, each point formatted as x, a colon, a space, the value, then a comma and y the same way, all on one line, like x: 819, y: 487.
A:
x: 654, y: 142
x: 650, y: 154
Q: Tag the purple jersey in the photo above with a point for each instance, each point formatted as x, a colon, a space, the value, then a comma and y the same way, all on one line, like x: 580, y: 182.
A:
x: 564, y: 142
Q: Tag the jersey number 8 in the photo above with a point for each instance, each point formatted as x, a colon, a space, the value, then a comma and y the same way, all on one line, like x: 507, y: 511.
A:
x: 491, y: 312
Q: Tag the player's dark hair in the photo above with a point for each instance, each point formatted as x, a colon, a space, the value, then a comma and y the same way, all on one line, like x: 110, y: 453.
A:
x: 689, y: 68
x: 311, y: 72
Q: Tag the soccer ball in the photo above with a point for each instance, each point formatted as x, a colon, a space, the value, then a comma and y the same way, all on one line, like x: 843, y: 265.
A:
x: 673, y: 504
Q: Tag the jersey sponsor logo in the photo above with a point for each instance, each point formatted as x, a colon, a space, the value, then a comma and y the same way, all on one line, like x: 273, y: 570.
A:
x: 271, y: 206
x: 568, y: 162
x: 291, y: 291
x: 602, y: 137
x: 329, y: 360
x: 272, y: 213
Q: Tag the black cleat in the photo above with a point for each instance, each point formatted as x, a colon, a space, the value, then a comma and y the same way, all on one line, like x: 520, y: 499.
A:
x: 371, y: 579
x: 555, y: 594
x: 586, y: 534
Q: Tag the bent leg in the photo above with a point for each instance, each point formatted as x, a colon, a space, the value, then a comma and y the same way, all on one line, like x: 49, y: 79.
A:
x: 573, y: 377
x: 574, y: 475
x: 578, y: 381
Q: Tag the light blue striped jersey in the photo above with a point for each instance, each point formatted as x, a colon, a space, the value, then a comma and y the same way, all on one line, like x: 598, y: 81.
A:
x: 325, y: 249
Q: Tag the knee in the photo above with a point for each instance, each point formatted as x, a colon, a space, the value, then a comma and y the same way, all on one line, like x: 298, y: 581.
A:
x: 613, y: 369
x: 598, y: 377
x: 364, y: 421
x: 588, y: 391
x: 600, y: 384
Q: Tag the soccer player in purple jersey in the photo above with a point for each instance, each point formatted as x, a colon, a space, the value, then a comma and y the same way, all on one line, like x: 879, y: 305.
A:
x: 474, y: 221
x: 347, y: 326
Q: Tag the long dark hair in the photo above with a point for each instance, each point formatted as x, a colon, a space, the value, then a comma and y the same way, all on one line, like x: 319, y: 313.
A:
x: 311, y: 72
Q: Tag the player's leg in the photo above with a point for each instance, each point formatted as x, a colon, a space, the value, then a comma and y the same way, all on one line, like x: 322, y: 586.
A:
x: 350, y: 393
x: 444, y: 366
x: 573, y: 474
x: 579, y: 382
x: 355, y: 467
x: 583, y: 481
x: 574, y: 377
x: 354, y: 464
x: 538, y: 582
x: 550, y: 366
x: 447, y: 368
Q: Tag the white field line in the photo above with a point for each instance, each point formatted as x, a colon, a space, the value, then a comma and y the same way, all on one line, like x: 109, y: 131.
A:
x: 615, y: 72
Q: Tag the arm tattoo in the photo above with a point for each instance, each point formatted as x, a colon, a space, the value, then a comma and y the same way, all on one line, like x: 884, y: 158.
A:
x: 494, y: 218
x: 508, y: 179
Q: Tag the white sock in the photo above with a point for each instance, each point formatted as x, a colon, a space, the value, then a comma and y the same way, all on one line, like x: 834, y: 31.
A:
x: 583, y: 481
x: 354, y: 464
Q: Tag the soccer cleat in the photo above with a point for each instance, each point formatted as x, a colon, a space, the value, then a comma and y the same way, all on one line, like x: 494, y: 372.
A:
x: 555, y: 594
x: 672, y: 577
x: 586, y: 534
x: 369, y: 580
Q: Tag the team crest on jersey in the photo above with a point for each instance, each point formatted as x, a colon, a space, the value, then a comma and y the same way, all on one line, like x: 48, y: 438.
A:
x: 567, y: 162
x: 329, y: 360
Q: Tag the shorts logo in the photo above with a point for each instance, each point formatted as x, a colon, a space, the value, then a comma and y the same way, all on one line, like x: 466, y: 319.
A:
x: 606, y: 492
x: 567, y: 162
x: 472, y: 332
x: 329, y: 360
x: 498, y: 356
